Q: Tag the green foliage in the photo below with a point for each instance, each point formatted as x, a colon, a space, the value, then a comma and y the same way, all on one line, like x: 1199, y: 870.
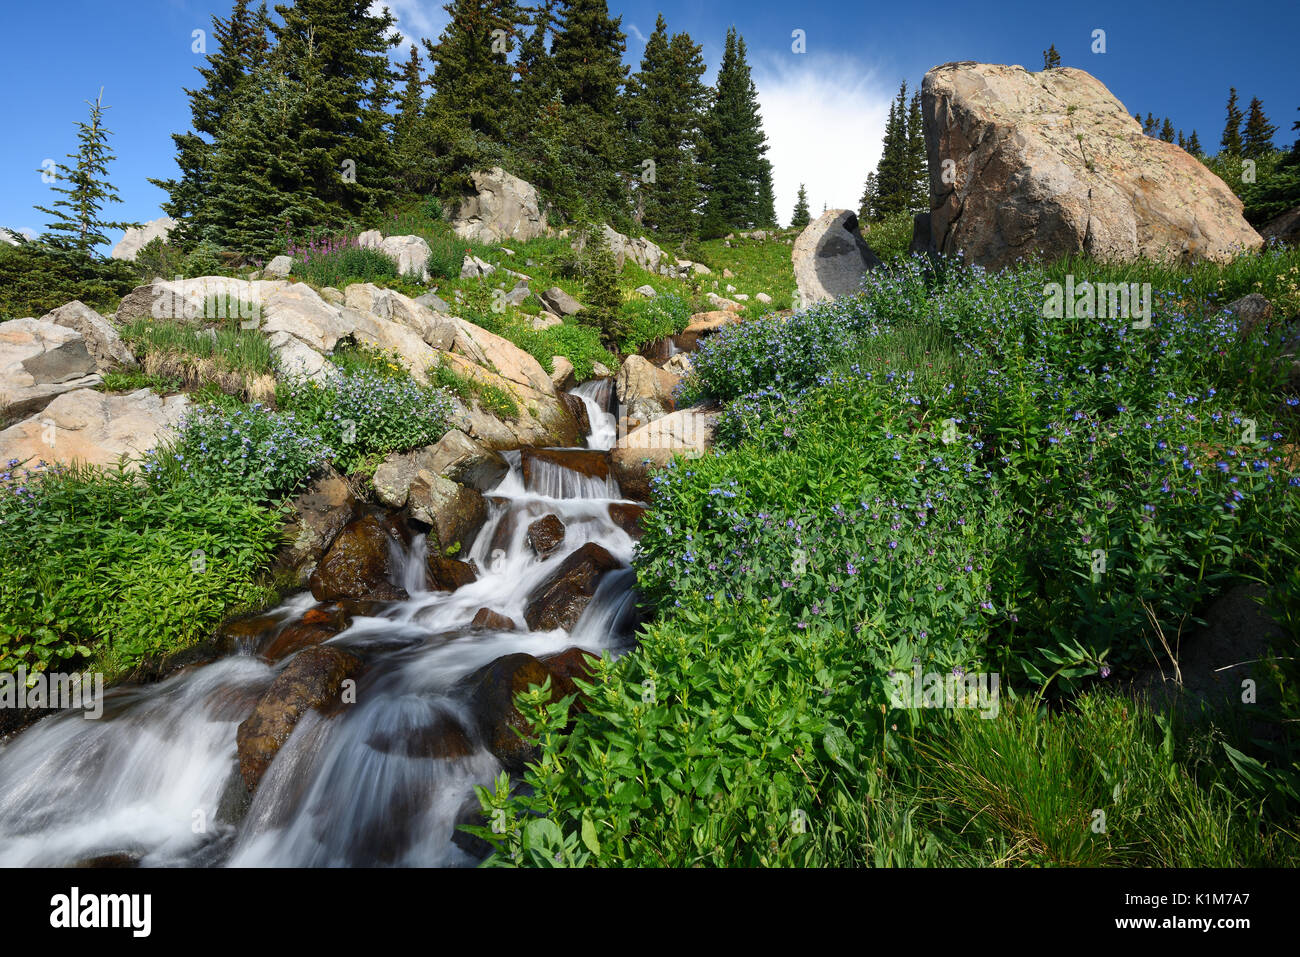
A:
x: 740, y: 175
x: 159, y: 259
x: 35, y: 278
x: 341, y: 262
x: 603, y: 299
x: 228, y: 348
x: 78, y: 226
x: 97, y: 567
x: 800, y: 217
x: 890, y: 238
x: 649, y: 319
x: 469, y: 390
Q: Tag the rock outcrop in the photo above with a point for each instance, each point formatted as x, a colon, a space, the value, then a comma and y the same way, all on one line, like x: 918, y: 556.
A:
x: 137, y: 237
x: 1051, y: 163
x: 102, y: 340
x: 830, y: 257
x: 95, y: 428
x: 40, y: 360
x: 502, y: 207
x: 688, y: 432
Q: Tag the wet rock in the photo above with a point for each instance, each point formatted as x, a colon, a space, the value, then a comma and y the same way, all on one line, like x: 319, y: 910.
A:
x: 491, y: 694
x: 578, y: 409
x: 319, y: 514
x: 314, y: 678
x: 546, y: 535
x: 116, y: 859
x: 453, y: 512
x: 488, y: 620
x: 442, y: 738
x: 317, y: 625
x: 588, y: 463
x: 458, y: 457
x: 357, y: 565
x: 246, y: 634
x: 627, y: 517
x: 561, y: 599
x: 448, y: 574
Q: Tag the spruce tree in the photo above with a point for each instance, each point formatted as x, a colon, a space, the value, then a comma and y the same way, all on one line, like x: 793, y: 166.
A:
x: 1194, y: 144
x: 264, y: 187
x: 800, y: 218
x: 665, y: 103
x: 1182, y: 141
x: 470, y: 72
x: 918, y: 168
x: 341, y: 47
x: 77, y: 225
x: 867, y: 204
x: 241, y: 45
x: 740, y: 175
x: 587, y: 66
x: 1231, y: 139
x: 1150, y: 126
x: 1167, y: 130
x: 1051, y: 58
x: 536, y: 77
x: 408, y: 144
x: 1257, y: 137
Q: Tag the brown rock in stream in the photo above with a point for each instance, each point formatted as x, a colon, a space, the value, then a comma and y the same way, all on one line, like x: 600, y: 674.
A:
x: 448, y: 574
x: 546, y: 535
x: 357, y: 565
x: 313, y: 679
x: 560, y: 600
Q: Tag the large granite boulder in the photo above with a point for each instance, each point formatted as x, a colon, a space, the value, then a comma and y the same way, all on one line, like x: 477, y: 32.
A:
x: 1051, y: 163
x: 435, y: 328
x: 102, y: 340
x: 640, y: 250
x: 830, y: 257
x: 95, y: 428
x: 40, y: 360
x: 688, y: 432
x: 644, y: 390
x: 410, y: 253
x: 137, y: 237
x: 190, y: 299
x: 502, y: 207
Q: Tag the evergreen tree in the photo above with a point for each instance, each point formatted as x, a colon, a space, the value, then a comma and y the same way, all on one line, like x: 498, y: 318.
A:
x: 1150, y: 125
x: 1182, y: 141
x: 470, y: 72
x: 1257, y: 138
x: 407, y: 141
x: 604, y: 301
x: 1167, y: 131
x: 867, y: 204
x: 588, y: 71
x: 536, y: 83
x: 1194, y: 144
x: 800, y: 218
x: 1231, y: 139
x: 264, y: 186
x: 1051, y: 58
x: 77, y: 225
x: 342, y: 47
x: 918, y: 168
x: 241, y: 46
x: 665, y: 104
x: 740, y: 176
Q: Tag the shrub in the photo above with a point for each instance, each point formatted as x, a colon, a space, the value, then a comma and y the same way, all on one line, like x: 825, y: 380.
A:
x: 339, y: 261
x: 891, y: 237
x: 159, y: 259
x: 35, y: 279
x: 649, y: 319
x: 97, y: 566
x: 364, y: 413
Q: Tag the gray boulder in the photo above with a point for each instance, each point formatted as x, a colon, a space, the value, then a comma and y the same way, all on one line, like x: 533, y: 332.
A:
x: 830, y: 257
x: 102, y: 340
x: 502, y: 207
x: 137, y: 237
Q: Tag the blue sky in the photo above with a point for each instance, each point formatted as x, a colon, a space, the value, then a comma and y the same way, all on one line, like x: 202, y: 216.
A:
x: 824, y: 109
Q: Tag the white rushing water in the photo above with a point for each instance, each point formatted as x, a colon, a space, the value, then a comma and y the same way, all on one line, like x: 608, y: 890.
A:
x: 157, y: 777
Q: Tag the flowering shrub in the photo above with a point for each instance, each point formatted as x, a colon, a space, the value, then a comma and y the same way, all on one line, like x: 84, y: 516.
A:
x: 246, y: 450
x: 339, y: 261
x: 365, y: 412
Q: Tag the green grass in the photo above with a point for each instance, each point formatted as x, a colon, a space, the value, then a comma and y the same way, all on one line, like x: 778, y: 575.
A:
x: 469, y: 390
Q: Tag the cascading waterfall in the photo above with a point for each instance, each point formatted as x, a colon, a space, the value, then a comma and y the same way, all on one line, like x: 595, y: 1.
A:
x: 156, y: 779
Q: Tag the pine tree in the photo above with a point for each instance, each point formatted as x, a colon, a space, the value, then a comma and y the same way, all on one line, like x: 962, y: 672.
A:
x: 1231, y: 139
x: 1257, y: 137
x: 1182, y: 141
x: 740, y: 175
x: 1051, y: 58
x: 407, y: 141
x: 800, y: 218
x: 918, y: 168
x: 1194, y: 144
x: 536, y: 82
x: 1167, y: 131
x: 77, y: 225
x: 588, y: 70
x: 241, y: 46
x: 1150, y: 125
x: 264, y: 186
x: 470, y: 72
x: 342, y: 47
x: 867, y: 204
x: 604, y: 301
x: 664, y: 109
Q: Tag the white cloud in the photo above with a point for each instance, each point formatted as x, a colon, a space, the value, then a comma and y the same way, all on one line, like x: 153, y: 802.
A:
x: 416, y: 19
x: 824, y: 116
x: 635, y: 31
